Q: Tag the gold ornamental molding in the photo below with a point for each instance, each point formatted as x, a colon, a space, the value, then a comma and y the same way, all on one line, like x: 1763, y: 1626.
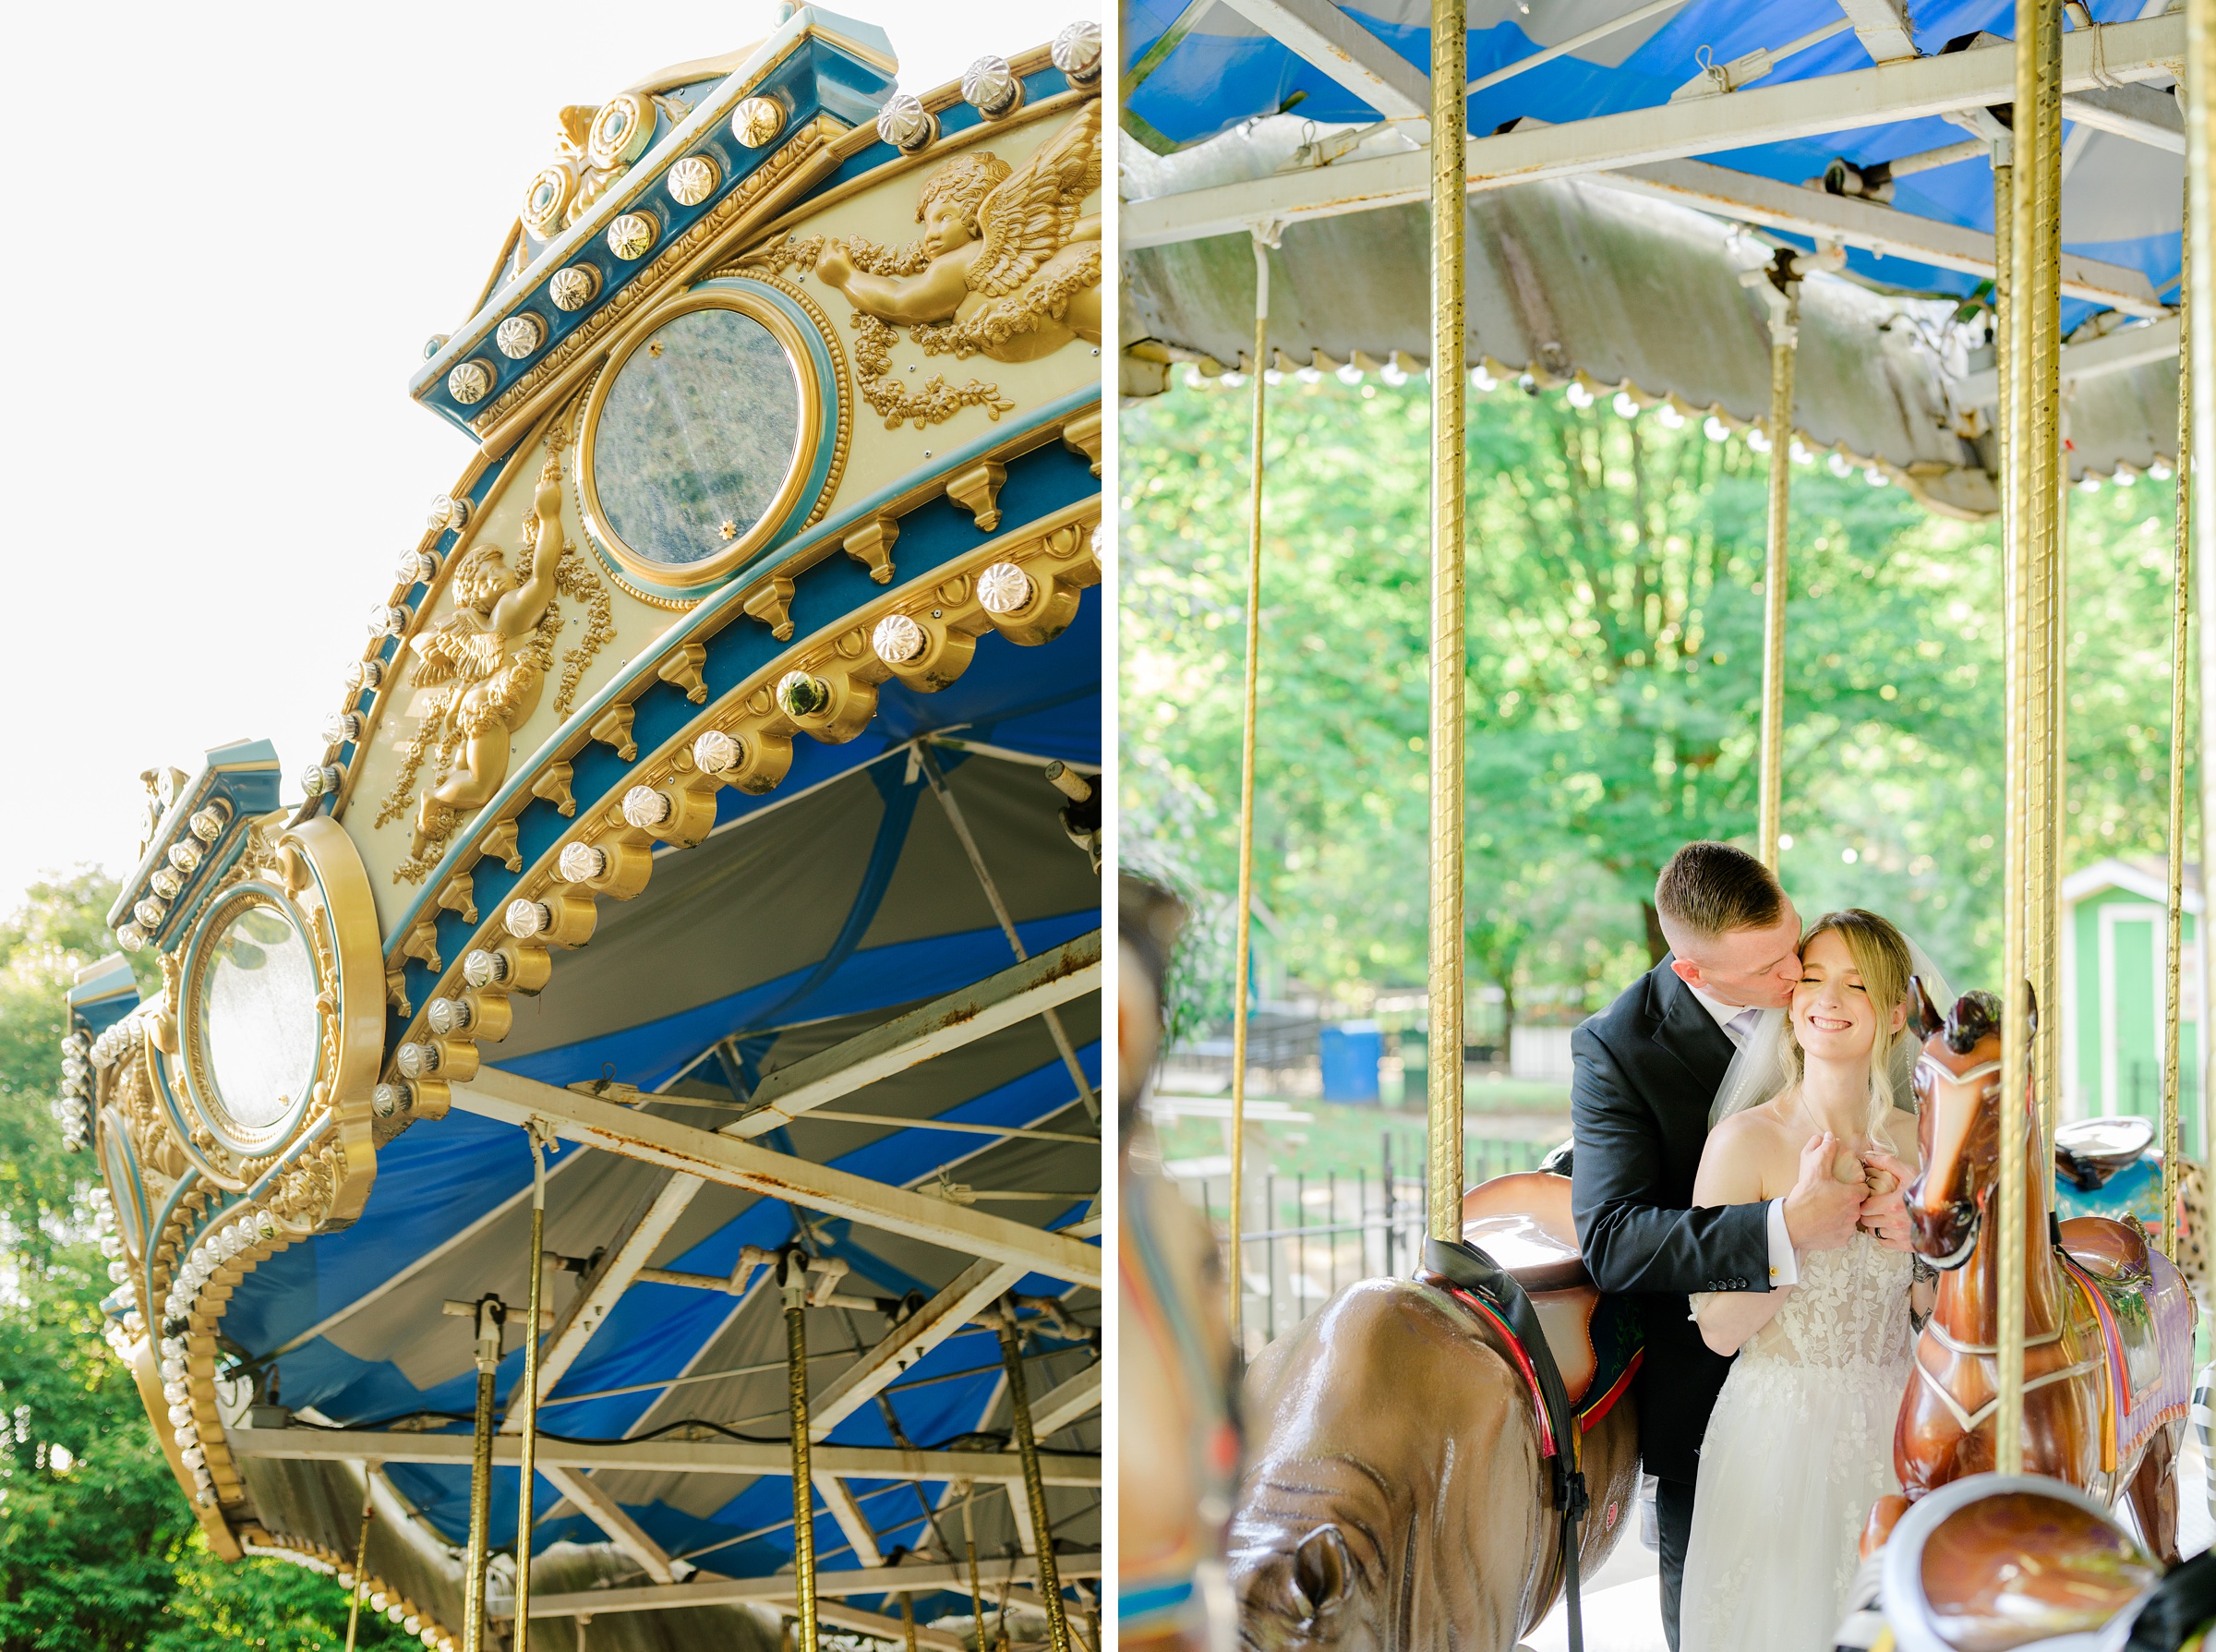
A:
x: 1025, y: 586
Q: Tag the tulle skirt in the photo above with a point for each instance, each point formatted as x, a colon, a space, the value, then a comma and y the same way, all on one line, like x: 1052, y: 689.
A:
x: 1794, y: 1456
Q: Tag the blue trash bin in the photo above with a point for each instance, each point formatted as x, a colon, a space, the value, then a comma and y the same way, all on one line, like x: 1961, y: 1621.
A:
x: 1350, y: 1052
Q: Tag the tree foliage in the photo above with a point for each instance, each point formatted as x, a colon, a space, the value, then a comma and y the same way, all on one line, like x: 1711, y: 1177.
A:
x: 99, y: 1551
x: 1614, y: 682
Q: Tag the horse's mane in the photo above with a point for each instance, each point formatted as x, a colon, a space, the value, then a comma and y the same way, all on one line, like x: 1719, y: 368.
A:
x: 1973, y: 1017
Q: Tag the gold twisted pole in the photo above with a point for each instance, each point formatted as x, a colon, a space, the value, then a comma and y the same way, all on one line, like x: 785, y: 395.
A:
x: 1241, y: 950
x: 1784, y: 338
x: 2197, y: 452
x: 908, y: 1622
x: 1034, y: 1483
x: 977, y: 1595
x: 361, y: 1560
x: 1450, y: 352
x: 2181, y: 605
x: 793, y: 1275
x: 2043, y: 663
x: 489, y: 1318
x: 525, y: 1513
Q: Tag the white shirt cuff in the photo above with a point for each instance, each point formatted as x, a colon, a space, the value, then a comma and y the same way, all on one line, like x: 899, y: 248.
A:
x: 1785, y: 1267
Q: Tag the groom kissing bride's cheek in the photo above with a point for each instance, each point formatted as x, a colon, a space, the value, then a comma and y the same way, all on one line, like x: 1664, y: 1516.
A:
x: 1743, y: 1145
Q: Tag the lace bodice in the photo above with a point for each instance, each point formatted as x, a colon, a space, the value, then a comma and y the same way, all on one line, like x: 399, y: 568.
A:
x: 1850, y: 1310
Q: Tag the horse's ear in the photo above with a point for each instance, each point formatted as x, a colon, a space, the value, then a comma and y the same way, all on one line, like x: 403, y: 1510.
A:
x: 1923, y: 1015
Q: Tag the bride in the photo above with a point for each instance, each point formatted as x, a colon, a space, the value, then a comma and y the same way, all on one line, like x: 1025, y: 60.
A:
x: 1801, y: 1443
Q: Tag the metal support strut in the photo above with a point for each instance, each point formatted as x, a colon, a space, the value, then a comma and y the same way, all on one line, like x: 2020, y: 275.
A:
x: 491, y: 1316
x: 1034, y: 1488
x: 1242, y: 915
x: 792, y: 1280
x: 526, y: 1515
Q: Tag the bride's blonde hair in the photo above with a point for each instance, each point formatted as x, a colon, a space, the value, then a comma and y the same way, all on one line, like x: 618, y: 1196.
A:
x: 1881, y: 957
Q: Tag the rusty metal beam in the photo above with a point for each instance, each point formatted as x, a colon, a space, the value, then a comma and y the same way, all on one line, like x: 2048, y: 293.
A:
x: 1014, y: 995
x: 915, y: 1337
x: 714, y: 1157
x: 1062, y: 1405
x: 607, y: 1513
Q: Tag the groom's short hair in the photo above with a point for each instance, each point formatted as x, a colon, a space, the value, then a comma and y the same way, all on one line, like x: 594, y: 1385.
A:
x: 1711, y: 890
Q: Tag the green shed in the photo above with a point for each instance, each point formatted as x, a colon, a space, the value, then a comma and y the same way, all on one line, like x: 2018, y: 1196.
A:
x: 2112, y: 1004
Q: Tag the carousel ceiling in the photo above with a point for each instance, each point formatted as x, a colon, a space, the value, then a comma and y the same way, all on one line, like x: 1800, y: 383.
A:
x: 1626, y: 164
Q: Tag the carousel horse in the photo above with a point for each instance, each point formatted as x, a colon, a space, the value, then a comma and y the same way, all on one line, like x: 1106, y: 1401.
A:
x: 2108, y: 1322
x: 1404, y: 1482
x: 2111, y: 1167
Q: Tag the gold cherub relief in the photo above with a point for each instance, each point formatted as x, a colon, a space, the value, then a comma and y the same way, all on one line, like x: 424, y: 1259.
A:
x: 1008, y: 267
x: 479, y: 672
x: 1014, y: 270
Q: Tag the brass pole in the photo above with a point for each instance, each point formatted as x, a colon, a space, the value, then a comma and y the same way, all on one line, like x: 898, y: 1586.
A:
x: 1450, y: 352
x: 2180, y: 664
x: 1244, y: 921
x: 490, y: 1319
x: 793, y: 1275
x: 2045, y: 663
x: 908, y: 1622
x: 1783, y: 341
x: 525, y: 1513
x: 1034, y: 1484
x: 977, y: 1595
x: 361, y: 1560
x: 2199, y: 387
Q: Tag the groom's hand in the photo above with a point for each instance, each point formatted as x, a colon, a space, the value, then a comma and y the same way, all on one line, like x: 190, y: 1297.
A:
x: 1885, y: 1211
x: 1822, y: 1211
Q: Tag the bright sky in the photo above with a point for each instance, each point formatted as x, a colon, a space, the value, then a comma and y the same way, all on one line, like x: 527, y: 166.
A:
x: 239, y: 225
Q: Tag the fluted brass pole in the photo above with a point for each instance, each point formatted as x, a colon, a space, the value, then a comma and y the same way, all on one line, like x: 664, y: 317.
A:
x: 1242, y: 951
x: 792, y: 1276
x: 908, y: 1622
x: 526, y: 1512
x: 1034, y: 1484
x: 1450, y: 124
x: 361, y: 1560
x: 977, y: 1595
x: 2044, y: 665
x: 2181, y: 605
x: 1784, y: 337
x: 490, y: 1316
x: 2193, y: 463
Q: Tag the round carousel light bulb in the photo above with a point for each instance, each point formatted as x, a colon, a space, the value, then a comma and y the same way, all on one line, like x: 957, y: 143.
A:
x: 991, y: 87
x: 897, y: 639
x: 341, y: 728
x: 186, y: 857
x: 130, y: 937
x: 265, y: 1224
x: 906, y: 124
x: 715, y: 751
x: 395, y: 1613
x: 447, y: 1015
x: 482, y: 967
x: 173, y: 1370
x: 411, y: 1622
x: 208, y: 824
x: 320, y: 778
x: 387, y: 619
x: 581, y: 863
x: 364, y: 674
x: 192, y: 1456
x: 645, y: 807
x: 1004, y: 588
x: 177, y: 1393
x: 416, y: 567
x: 117, y: 1272
x: 377, y: 1598
x: 386, y: 1099
x: 527, y: 918
x: 757, y: 121
x: 448, y: 513
x: 149, y: 912
x: 1077, y: 52
x: 416, y: 1060
x: 802, y: 696
x: 179, y: 1414
x: 165, y: 882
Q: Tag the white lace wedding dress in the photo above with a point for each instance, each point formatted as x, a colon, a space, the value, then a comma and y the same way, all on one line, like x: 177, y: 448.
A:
x: 1800, y: 1444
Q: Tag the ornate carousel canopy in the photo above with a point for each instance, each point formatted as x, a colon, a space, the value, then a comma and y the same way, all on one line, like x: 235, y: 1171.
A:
x: 712, y: 816
x: 1627, y: 166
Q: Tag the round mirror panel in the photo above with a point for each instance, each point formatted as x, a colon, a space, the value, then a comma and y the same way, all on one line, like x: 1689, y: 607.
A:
x: 257, y: 1016
x: 696, y: 437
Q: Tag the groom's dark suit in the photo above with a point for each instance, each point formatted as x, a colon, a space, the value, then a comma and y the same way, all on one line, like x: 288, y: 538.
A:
x: 1646, y: 1069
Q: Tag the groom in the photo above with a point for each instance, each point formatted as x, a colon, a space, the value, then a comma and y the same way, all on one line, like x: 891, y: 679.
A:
x: 1645, y: 1070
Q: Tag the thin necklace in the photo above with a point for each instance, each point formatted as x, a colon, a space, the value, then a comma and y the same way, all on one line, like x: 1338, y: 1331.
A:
x: 1800, y: 1101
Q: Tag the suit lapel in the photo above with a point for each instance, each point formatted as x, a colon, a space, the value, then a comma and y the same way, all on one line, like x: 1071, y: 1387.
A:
x: 1689, y: 1033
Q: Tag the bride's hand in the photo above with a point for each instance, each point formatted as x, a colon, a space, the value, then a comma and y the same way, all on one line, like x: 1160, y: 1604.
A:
x: 1885, y: 1211
x: 1821, y: 1212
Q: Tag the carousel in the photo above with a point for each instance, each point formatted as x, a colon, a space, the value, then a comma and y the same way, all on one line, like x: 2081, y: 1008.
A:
x: 610, y: 1155
x: 1952, y: 248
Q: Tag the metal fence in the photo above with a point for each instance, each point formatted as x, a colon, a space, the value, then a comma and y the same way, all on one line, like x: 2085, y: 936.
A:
x: 1307, y: 1236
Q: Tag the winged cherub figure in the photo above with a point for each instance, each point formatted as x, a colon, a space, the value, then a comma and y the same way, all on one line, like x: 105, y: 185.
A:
x: 486, y: 663
x: 1014, y: 270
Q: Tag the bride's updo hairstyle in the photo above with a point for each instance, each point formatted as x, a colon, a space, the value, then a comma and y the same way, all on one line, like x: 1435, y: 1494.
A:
x: 1881, y: 957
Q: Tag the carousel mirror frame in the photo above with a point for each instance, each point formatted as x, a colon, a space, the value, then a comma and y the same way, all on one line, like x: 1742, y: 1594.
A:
x: 314, y: 879
x: 809, y: 476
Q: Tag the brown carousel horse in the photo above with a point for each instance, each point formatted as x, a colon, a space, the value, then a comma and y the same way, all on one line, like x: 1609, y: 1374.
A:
x: 2108, y: 1322
x: 1397, y: 1493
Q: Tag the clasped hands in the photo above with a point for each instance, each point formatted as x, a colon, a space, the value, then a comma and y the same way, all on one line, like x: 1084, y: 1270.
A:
x: 1825, y: 1206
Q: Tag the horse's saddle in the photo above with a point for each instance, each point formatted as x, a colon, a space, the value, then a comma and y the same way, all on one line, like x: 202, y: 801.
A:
x: 1523, y: 1221
x: 2113, y: 1264
x: 2090, y: 1150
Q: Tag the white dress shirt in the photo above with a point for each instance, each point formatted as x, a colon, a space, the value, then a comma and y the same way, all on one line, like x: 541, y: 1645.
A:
x: 1739, y: 1022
